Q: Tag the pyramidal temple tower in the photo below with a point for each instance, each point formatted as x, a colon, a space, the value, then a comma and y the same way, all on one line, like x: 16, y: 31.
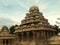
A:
x: 34, y: 29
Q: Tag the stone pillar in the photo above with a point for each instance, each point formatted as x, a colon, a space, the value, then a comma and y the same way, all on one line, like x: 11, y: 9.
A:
x: 9, y: 42
x: 34, y: 35
x: 34, y: 38
x: 1, y: 42
x: 54, y: 33
x: 5, y: 41
x: 22, y: 39
x: 17, y: 37
x: 47, y: 34
x: 37, y: 38
x: 27, y: 38
x: 50, y: 34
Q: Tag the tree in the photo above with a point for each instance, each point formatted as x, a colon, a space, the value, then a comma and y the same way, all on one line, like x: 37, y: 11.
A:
x: 58, y: 23
x: 12, y: 28
x: 56, y: 28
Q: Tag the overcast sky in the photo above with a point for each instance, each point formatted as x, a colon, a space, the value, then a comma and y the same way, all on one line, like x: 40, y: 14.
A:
x: 13, y: 11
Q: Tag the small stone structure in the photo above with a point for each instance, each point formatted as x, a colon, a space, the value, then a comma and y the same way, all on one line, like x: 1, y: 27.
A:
x: 5, y: 37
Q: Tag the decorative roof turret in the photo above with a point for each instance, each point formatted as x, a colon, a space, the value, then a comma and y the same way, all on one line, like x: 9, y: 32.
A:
x: 4, y: 33
x: 34, y: 9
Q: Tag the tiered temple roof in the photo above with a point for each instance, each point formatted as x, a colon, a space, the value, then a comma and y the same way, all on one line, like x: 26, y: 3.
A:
x: 34, y: 20
x: 4, y: 33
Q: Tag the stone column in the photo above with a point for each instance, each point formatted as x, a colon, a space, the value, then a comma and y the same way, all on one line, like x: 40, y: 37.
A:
x: 50, y: 34
x: 37, y: 38
x: 34, y: 37
x: 22, y: 39
x: 17, y: 37
x: 47, y: 34
x: 38, y: 35
x: 5, y: 41
x: 9, y: 42
x: 27, y: 38
x: 1, y: 42
x: 54, y: 33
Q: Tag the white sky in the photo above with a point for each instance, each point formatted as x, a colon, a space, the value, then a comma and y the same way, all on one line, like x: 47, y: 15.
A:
x: 13, y: 11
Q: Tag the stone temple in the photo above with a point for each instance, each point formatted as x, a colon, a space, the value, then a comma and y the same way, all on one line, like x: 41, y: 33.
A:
x: 33, y: 30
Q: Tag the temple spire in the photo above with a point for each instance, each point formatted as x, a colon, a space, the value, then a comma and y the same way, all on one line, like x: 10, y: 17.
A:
x: 34, y: 9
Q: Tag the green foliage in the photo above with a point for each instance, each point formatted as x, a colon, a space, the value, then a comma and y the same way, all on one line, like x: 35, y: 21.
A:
x: 56, y: 28
x: 12, y: 28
